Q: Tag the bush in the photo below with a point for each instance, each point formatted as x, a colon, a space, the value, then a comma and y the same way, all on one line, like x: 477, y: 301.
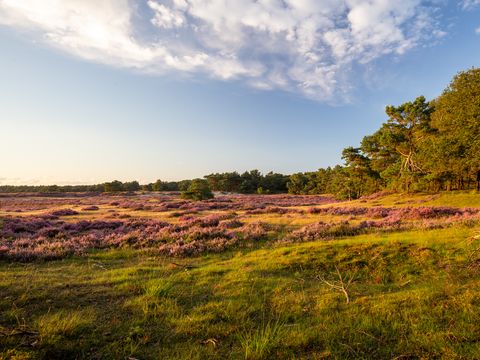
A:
x: 198, y: 190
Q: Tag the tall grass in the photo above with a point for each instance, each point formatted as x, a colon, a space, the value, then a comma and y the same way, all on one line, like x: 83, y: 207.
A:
x: 53, y: 327
x: 259, y: 342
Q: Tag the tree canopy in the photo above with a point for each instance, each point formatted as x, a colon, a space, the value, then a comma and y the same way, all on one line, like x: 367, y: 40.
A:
x: 423, y: 145
x: 198, y: 190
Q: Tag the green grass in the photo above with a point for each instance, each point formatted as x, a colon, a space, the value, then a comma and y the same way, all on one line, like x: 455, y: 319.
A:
x: 52, y: 327
x: 415, y: 294
x: 257, y: 343
x: 459, y: 199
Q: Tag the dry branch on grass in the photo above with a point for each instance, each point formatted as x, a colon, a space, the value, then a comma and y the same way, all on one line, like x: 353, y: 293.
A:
x: 17, y: 332
x: 186, y: 267
x: 342, y: 284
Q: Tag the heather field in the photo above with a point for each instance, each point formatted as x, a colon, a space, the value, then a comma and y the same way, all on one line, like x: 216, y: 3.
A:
x: 154, y: 276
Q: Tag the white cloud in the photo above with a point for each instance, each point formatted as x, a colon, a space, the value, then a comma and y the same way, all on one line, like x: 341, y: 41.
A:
x: 306, y: 46
x: 469, y: 4
x: 165, y: 17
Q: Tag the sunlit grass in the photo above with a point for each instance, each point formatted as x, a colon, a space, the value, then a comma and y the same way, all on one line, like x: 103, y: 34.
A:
x: 414, y: 294
x: 53, y: 327
x: 257, y: 343
x: 452, y: 198
x: 260, y: 304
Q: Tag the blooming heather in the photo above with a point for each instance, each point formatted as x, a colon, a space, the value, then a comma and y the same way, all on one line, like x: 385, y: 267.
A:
x: 56, y: 228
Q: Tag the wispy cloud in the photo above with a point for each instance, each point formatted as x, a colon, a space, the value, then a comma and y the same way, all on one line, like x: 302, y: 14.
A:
x: 304, y: 46
x: 470, y: 4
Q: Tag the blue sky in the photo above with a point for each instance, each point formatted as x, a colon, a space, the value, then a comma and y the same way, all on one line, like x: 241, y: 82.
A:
x: 95, y: 91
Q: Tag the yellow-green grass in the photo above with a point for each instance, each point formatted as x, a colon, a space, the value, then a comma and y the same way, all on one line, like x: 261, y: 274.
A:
x: 294, y: 220
x: 413, y: 295
x: 460, y: 199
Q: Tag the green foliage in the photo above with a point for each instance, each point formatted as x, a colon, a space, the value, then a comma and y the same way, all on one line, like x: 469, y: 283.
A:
x: 422, y: 146
x: 249, y: 182
x: 198, y: 190
x: 184, y: 185
x: 454, y: 151
x: 393, y: 151
x: 118, y: 186
x: 131, y: 186
x: 318, y: 182
x: 345, y: 182
x: 114, y: 186
x: 158, y: 185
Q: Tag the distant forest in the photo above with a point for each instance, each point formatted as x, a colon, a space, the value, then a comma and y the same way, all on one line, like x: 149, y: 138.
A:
x: 423, y: 146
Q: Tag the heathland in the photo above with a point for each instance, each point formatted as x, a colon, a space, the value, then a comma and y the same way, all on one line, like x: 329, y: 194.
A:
x: 386, y: 267
x: 154, y: 276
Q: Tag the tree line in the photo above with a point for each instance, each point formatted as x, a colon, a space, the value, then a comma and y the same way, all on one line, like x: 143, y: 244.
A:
x: 247, y: 183
x: 423, y: 146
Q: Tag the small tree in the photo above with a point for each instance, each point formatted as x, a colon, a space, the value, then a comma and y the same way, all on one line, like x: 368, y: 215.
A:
x: 114, y: 186
x: 131, y: 186
x: 198, y: 190
x: 158, y: 185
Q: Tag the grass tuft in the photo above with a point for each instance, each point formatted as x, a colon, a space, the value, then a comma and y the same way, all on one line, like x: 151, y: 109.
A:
x: 258, y: 343
x: 63, y: 324
x: 159, y: 287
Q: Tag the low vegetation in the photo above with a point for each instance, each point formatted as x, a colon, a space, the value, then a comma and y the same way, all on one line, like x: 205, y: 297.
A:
x: 155, y: 276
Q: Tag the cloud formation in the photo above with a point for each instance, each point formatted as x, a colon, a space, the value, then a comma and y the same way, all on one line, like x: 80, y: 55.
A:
x: 303, y: 46
x: 470, y: 4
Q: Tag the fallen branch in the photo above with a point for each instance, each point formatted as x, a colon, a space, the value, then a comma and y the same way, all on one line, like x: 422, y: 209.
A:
x: 342, y: 284
x: 183, y: 266
x: 100, y: 265
x: 16, y: 332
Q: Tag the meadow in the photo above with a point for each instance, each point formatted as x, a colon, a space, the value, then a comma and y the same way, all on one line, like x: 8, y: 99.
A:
x: 154, y: 276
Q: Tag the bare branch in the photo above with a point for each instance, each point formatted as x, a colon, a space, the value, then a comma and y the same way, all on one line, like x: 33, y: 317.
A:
x: 342, y: 284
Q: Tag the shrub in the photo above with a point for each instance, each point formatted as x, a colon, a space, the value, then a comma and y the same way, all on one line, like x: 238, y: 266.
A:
x: 198, y: 190
x: 64, y: 212
x: 90, y: 208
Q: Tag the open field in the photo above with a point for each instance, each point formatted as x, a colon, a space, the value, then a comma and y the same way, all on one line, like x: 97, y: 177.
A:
x: 156, y: 277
